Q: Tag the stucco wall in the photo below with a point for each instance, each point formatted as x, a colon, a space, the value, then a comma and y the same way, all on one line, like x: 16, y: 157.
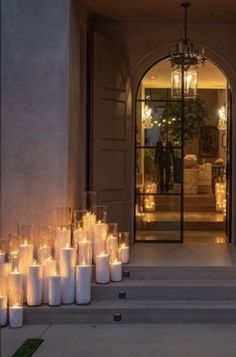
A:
x: 35, y: 125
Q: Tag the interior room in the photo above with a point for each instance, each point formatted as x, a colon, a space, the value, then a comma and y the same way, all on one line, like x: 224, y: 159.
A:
x: 194, y: 205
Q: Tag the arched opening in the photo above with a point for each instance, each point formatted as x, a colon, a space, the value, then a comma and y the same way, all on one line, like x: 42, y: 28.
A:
x: 182, y: 180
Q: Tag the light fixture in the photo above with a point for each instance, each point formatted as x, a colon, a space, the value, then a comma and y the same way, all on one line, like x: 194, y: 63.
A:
x: 147, y: 117
x: 185, y: 59
x: 222, y: 123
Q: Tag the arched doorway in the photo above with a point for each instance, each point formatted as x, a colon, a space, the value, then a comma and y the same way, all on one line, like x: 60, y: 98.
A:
x: 189, y: 200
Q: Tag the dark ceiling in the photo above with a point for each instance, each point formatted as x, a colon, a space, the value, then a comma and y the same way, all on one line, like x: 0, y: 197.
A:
x: 213, y: 11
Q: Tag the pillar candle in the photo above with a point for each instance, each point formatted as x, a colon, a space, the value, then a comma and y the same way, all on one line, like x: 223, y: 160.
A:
x: 83, y: 284
x: 2, y: 257
x: 116, y: 271
x: 112, y: 243
x: 63, y: 238
x: 5, y: 269
x: 99, y: 238
x: 3, y: 310
x: 13, y: 257
x: 68, y: 275
x: 44, y: 253
x: 34, y: 285
x: 85, y: 253
x: 54, y: 290
x: 89, y: 220
x: 49, y: 267
x: 79, y: 234
x: 124, y: 254
x: 102, y: 268
x: 25, y: 258
x: 16, y: 316
x: 15, y: 286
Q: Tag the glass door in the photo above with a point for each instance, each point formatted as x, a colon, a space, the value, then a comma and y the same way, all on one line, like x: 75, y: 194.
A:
x: 159, y: 157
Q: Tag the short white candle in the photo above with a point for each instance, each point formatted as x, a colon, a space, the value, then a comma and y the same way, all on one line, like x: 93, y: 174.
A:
x: 116, y: 271
x: 2, y: 257
x: 34, y: 285
x: 99, y: 238
x: 16, y: 316
x: 3, y: 310
x: 83, y: 284
x: 54, y: 290
x: 112, y: 243
x: 44, y: 253
x: 124, y: 253
x: 79, y: 234
x: 49, y: 267
x: 102, y: 269
x: 68, y: 275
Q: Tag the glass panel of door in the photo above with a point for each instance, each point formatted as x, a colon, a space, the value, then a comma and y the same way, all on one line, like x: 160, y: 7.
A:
x: 158, y: 169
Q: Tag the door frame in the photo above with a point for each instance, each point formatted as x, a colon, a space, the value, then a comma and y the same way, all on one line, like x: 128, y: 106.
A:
x: 229, y: 168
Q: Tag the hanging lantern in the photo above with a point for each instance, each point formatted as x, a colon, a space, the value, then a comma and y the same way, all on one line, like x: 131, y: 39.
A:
x: 190, y: 83
x: 185, y: 58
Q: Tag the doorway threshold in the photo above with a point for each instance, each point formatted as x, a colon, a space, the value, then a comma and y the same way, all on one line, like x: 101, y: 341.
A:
x: 183, y: 255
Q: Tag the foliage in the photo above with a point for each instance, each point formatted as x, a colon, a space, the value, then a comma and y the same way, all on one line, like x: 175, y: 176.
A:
x: 195, y: 115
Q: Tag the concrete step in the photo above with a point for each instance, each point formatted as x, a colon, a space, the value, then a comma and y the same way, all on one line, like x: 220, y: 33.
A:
x: 166, y: 290
x: 143, y: 272
x: 148, y: 311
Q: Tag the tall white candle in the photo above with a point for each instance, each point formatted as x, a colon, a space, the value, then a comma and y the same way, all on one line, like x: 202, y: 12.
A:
x: 89, y: 220
x: 83, y: 284
x: 63, y: 238
x: 102, y: 269
x: 54, y: 290
x: 112, y: 243
x: 16, y: 316
x: 49, y: 267
x: 34, y: 285
x: 15, y: 286
x: 25, y: 258
x: 124, y: 254
x: 44, y: 253
x: 116, y: 271
x: 68, y: 275
x: 3, y: 310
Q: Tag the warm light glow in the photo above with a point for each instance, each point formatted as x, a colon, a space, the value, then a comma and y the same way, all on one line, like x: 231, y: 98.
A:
x: 220, y: 196
x: 147, y: 117
x: 222, y: 123
x: 190, y: 83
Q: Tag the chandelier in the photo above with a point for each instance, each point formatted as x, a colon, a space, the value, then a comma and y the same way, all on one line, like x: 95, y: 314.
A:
x: 185, y: 60
x: 222, y: 123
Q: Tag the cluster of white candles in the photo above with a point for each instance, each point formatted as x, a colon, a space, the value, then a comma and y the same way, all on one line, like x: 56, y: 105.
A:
x: 62, y: 272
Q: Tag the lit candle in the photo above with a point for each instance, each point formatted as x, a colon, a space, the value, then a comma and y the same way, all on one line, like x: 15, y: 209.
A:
x: 116, y: 270
x: 54, y: 290
x: 85, y: 253
x: 89, y: 220
x: 79, y: 234
x: 34, y: 285
x: 68, y: 274
x: 112, y: 243
x: 16, y: 316
x: 15, y: 285
x: 44, y: 253
x: 25, y: 258
x: 83, y: 284
x: 13, y: 257
x: 49, y: 266
x: 3, y: 310
x: 2, y: 257
x: 99, y: 238
x: 63, y: 238
x: 124, y: 253
x: 102, y: 269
